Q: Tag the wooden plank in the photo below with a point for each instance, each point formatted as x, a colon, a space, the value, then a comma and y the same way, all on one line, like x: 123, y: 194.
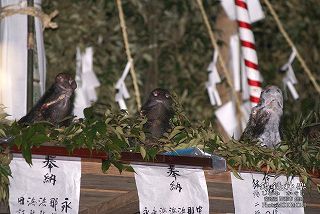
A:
x: 223, y: 177
x: 220, y: 190
x: 119, y: 203
x: 221, y: 205
x: 129, y: 208
x: 90, y: 199
x: 108, y: 182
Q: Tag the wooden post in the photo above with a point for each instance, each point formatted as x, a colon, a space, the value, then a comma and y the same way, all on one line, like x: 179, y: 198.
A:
x: 30, y: 46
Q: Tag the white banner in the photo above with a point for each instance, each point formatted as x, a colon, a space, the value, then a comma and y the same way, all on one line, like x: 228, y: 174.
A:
x: 87, y: 81
x: 122, y: 91
x: 13, y: 59
x: 50, y: 186
x: 290, y: 79
x: 171, y: 189
x: 227, y: 116
x: 266, y: 194
x: 214, y: 78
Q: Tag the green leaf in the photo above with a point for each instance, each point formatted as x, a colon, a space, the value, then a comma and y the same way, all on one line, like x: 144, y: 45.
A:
x: 143, y: 152
x: 176, y: 131
x: 18, y: 141
x: 152, y: 152
x: 2, y: 133
x: 128, y: 168
x: 142, y: 136
x: 88, y: 112
x: 105, y: 165
x: 119, y: 130
x: 118, y: 165
x: 26, y: 153
x: 235, y: 173
x: 284, y: 148
x: 101, y: 127
x: 39, y: 139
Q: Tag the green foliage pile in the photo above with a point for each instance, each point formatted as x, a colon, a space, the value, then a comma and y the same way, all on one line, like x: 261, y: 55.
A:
x: 117, y: 132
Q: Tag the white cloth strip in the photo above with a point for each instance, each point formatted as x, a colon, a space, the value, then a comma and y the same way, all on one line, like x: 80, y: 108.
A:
x: 124, y: 74
x: 211, y: 95
x: 292, y: 89
x: 235, y: 61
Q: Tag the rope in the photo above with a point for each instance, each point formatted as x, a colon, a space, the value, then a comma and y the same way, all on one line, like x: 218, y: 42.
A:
x: 46, y: 105
x: 221, y: 60
x: 289, y: 41
x: 31, y: 11
x: 129, y: 57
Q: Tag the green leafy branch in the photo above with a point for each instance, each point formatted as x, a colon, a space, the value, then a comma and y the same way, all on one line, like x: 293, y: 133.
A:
x: 116, y: 132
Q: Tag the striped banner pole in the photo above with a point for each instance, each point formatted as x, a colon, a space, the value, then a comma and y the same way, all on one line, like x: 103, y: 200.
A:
x: 249, y: 53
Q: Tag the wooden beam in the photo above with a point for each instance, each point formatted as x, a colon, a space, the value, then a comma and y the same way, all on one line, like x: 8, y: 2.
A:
x: 130, y: 157
x: 62, y: 151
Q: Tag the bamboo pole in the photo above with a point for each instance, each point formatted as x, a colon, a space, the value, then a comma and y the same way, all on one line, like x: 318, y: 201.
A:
x: 128, y: 52
x: 30, y: 46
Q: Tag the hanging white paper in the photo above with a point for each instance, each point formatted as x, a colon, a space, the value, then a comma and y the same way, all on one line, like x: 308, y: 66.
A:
x: 120, y: 100
x: 290, y: 79
x: 214, y: 78
x: 235, y: 61
x: 13, y: 59
x: 260, y: 193
x: 210, y: 93
x: 254, y: 9
x: 124, y: 74
x: 227, y: 116
x: 123, y: 92
x: 213, y: 93
x: 212, y: 68
x: 88, y: 77
x: 291, y: 88
x: 87, y: 81
x: 50, y: 185
x: 171, y: 189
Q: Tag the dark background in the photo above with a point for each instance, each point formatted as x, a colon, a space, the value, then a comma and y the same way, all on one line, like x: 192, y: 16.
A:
x: 171, y: 47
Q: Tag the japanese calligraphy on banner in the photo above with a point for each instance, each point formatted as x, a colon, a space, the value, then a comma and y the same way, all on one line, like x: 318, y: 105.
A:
x: 266, y: 194
x: 166, y: 190
x: 50, y: 186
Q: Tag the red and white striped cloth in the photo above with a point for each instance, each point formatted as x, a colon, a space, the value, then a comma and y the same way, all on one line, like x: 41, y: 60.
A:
x: 248, y: 51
